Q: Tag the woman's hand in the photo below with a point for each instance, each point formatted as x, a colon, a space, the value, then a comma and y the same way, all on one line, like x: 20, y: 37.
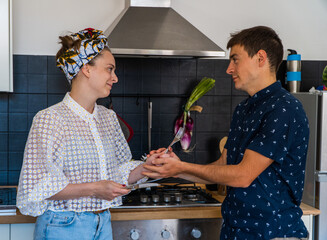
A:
x: 151, y: 159
x: 164, y: 165
x: 158, y: 151
x: 109, y: 190
x: 104, y: 189
x: 137, y: 173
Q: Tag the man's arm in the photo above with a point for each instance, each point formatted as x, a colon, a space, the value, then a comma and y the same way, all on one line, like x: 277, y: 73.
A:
x: 221, y: 161
x: 240, y: 175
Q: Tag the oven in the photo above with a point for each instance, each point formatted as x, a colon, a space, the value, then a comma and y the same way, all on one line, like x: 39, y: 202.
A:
x: 173, y: 198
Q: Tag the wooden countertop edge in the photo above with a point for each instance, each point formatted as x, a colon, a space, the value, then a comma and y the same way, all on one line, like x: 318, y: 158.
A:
x: 136, y: 214
x: 308, y: 210
x: 156, y: 213
x: 180, y: 213
x: 18, y: 218
x: 142, y: 214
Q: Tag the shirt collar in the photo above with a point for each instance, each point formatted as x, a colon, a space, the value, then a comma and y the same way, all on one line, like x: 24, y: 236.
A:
x: 264, y: 93
x: 79, y: 110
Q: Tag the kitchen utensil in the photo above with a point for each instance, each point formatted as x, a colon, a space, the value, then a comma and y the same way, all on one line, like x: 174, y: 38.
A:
x: 142, y: 185
x: 221, y: 189
x: 149, y: 124
x: 146, y: 184
x: 144, y: 157
x: 177, y: 137
x: 222, y: 144
x: 126, y: 128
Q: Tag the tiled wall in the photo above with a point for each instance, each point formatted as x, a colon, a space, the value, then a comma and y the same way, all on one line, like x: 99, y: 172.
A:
x: 165, y: 82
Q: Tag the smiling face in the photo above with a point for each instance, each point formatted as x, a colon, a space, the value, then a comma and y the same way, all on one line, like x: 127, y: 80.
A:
x: 102, y: 74
x: 243, y: 69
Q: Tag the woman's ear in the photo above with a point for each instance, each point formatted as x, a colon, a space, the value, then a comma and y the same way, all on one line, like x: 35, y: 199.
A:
x: 86, y: 70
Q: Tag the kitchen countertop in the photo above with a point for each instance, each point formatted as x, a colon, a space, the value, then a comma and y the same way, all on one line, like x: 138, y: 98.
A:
x: 159, y: 213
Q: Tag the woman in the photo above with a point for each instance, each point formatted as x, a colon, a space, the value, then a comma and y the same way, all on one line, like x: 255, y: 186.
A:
x: 77, y: 161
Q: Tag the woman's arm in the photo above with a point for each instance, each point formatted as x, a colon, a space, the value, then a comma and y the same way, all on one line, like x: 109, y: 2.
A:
x: 104, y: 189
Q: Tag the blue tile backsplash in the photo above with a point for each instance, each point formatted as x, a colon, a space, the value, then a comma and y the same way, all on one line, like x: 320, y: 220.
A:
x: 167, y: 83
x: 3, y: 122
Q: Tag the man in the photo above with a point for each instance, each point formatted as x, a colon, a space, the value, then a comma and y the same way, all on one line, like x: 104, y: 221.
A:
x: 263, y: 162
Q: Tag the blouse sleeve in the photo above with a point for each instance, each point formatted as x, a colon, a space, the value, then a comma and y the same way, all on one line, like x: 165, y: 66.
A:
x: 42, y: 171
x: 123, y: 153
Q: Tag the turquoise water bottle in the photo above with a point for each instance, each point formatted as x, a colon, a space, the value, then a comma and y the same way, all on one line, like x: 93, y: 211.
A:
x: 293, y: 75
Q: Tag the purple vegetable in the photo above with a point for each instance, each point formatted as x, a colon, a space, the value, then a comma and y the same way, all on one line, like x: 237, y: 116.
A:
x: 178, y: 123
x: 186, y: 140
x: 189, y: 124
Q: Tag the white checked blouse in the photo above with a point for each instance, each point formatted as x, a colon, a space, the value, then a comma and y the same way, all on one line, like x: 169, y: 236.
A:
x: 68, y: 145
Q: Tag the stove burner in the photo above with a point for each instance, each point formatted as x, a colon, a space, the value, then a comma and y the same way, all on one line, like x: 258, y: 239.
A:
x: 192, y: 197
x: 143, y: 198
x: 155, y: 198
x: 178, y: 197
x: 168, y: 196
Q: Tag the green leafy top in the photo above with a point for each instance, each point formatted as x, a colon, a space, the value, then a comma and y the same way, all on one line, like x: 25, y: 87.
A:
x: 324, y: 76
x: 202, y: 88
x: 205, y: 85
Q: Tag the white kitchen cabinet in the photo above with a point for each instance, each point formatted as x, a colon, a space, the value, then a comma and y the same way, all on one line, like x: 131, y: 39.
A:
x: 308, y: 222
x: 4, y: 231
x: 17, y: 231
x: 25, y: 230
x: 22, y: 231
x: 6, y: 62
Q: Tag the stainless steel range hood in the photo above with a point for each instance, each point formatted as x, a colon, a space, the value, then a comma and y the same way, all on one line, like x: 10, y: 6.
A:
x: 153, y: 28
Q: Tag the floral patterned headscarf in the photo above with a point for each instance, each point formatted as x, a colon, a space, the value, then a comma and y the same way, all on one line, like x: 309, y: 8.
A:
x: 92, y: 43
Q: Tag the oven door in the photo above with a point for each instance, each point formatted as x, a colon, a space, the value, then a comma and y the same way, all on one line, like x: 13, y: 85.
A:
x: 171, y: 229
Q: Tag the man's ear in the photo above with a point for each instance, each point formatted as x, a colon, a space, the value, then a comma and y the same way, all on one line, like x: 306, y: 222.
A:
x: 86, y: 70
x: 262, y: 57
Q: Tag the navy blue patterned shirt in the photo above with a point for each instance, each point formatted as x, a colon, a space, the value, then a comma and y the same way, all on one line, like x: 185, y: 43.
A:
x: 272, y: 123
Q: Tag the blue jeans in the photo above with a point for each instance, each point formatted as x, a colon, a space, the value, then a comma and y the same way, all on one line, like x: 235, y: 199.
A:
x: 73, y: 225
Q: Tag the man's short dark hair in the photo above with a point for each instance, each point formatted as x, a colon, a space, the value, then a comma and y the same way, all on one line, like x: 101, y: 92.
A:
x: 257, y: 38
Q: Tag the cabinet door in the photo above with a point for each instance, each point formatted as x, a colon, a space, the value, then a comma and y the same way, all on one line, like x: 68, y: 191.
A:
x: 308, y: 221
x: 6, y: 75
x: 4, y: 231
x: 22, y: 231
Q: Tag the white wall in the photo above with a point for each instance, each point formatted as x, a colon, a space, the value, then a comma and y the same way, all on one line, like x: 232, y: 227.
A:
x: 301, y: 24
x: 38, y: 23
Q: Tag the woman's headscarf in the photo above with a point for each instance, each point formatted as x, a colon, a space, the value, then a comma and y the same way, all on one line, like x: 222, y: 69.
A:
x: 92, y: 43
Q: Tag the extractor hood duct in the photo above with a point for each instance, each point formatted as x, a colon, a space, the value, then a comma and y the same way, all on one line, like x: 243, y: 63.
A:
x: 153, y: 28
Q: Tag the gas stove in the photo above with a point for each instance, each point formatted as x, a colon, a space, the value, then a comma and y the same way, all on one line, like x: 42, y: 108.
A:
x: 169, y: 196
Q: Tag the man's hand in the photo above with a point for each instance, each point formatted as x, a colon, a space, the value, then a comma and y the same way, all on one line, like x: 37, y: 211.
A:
x: 164, y: 165
x: 109, y: 190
